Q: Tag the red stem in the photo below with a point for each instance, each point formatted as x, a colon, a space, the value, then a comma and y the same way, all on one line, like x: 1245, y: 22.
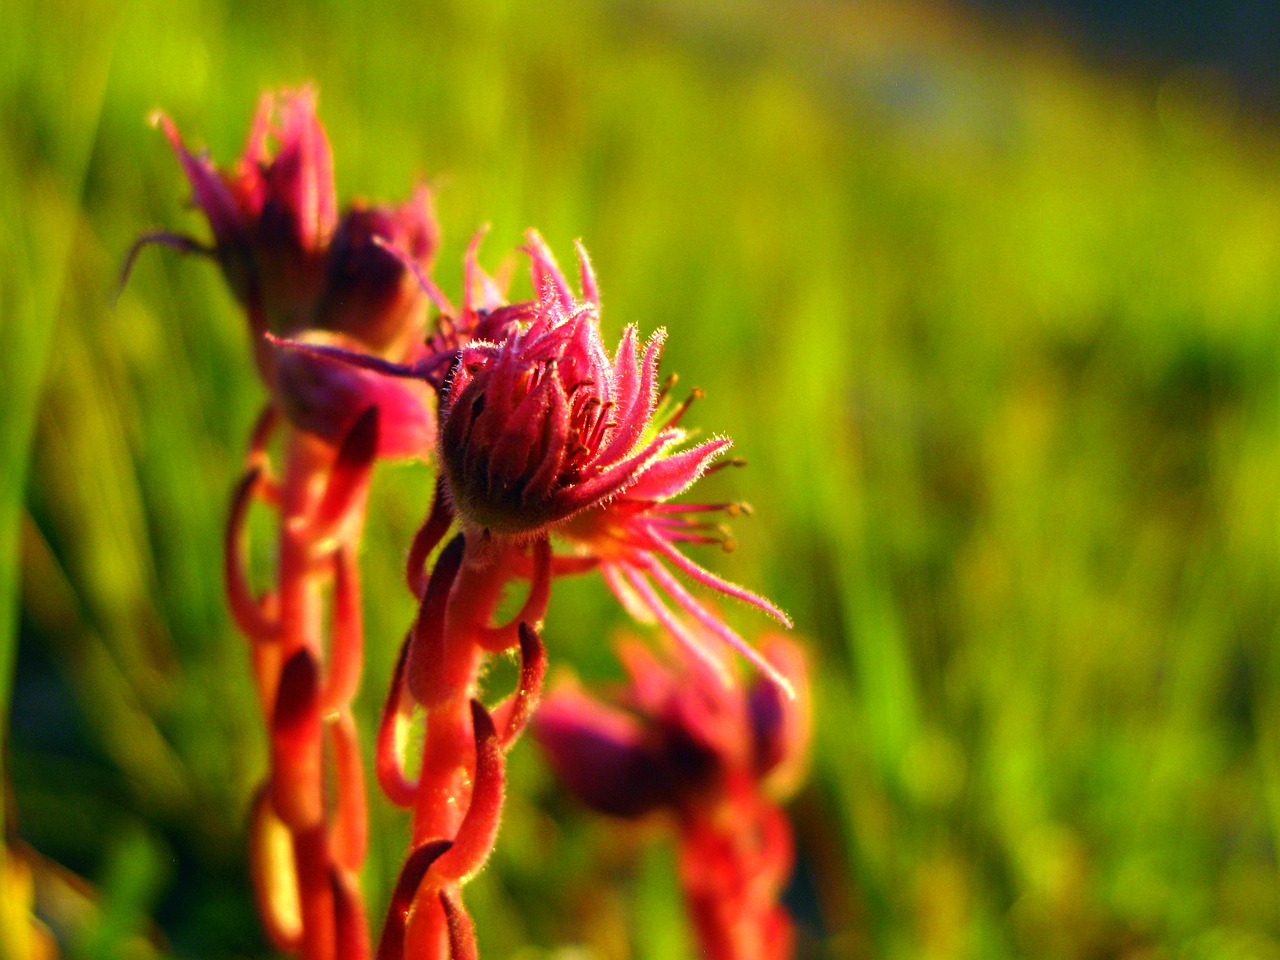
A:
x: 427, y: 538
x: 396, y: 716
x: 346, y: 645
x: 459, y: 791
x: 303, y: 680
x: 448, y: 750
x: 315, y: 894
x: 479, y: 827
x: 735, y: 855
x: 350, y: 816
x: 247, y: 611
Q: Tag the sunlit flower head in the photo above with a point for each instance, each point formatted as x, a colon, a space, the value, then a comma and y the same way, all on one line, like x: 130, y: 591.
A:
x: 273, y: 212
x: 542, y: 425
x: 542, y: 432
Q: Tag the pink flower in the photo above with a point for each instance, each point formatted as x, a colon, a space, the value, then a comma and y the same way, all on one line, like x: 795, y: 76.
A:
x: 544, y: 433
x: 302, y: 271
x: 272, y: 216
x: 325, y: 397
x: 633, y: 539
x: 684, y: 739
x: 542, y: 425
x: 678, y: 732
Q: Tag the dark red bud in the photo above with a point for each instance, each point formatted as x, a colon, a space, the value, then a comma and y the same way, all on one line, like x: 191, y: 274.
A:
x: 602, y: 755
x: 768, y: 711
x: 371, y: 296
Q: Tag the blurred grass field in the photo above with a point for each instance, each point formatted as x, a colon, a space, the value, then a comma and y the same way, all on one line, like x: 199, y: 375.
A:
x: 998, y: 335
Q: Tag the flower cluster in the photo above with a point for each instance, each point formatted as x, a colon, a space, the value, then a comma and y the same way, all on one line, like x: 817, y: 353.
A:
x: 553, y: 458
x: 299, y: 269
x: 709, y: 752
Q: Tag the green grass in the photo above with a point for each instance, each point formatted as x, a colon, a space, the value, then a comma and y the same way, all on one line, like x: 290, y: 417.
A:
x: 999, y: 337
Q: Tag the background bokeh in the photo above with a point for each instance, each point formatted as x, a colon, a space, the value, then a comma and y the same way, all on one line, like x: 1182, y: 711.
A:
x: 997, y: 330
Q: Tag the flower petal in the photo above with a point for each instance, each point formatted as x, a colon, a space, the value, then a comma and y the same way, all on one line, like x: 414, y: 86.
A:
x: 672, y: 475
x: 211, y: 194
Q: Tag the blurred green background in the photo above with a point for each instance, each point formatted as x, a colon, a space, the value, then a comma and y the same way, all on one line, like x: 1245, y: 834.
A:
x: 997, y: 333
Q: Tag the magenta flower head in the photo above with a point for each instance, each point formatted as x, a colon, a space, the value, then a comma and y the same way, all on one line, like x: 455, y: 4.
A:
x: 713, y: 754
x: 369, y: 293
x: 272, y: 215
x: 542, y: 425
x: 679, y: 732
x: 542, y: 433
x: 302, y: 271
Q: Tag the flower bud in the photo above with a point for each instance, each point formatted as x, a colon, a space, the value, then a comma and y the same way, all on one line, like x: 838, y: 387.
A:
x: 304, y: 274
x: 602, y: 755
x: 370, y: 296
x: 288, y: 258
x: 677, y: 734
x: 272, y: 216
